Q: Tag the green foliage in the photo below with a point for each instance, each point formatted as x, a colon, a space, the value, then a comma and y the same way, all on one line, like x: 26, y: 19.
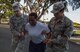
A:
x: 74, y: 40
x: 77, y: 32
x: 40, y: 6
x: 6, y: 7
x: 74, y: 3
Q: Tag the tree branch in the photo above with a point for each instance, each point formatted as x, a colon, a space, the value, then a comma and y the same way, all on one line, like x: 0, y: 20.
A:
x: 44, y: 10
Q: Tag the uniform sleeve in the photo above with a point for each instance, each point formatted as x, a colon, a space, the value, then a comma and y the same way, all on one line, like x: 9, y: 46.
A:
x: 49, y: 24
x: 24, y: 22
x: 12, y: 28
x: 25, y: 19
x: 26, y: 28
x: 62, y: 40
x: 68, y: 29
x: 67, y: 33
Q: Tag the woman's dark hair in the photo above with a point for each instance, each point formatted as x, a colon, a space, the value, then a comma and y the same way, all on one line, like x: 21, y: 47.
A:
x: 33, y: 14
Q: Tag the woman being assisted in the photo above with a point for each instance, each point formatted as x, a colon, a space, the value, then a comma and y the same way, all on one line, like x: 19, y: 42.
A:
x: 38, y: 33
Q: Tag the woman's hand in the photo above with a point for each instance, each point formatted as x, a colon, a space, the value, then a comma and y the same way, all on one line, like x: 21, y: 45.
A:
x: 22, y: 34
x: 45, y: 41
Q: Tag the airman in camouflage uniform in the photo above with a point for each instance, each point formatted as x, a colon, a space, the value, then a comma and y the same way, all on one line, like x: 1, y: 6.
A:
x: 17, y: 23
x: 61, y: 28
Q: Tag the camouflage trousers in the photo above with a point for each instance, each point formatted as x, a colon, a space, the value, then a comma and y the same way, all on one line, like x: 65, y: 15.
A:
x: 53, y: 49
x: 60, y: 50
x: 17, y: 46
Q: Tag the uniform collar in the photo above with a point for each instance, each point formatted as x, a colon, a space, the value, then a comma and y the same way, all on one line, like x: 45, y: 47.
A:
x: 19, y: 16
x: 59, y: 20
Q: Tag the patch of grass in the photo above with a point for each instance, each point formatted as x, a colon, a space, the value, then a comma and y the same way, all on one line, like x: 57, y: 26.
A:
x: 77, y: 32
x: 74, y: 40
x: 76, y: 24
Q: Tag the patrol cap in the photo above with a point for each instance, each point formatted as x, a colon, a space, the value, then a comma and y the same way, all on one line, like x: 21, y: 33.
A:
x: 57, y: 7
x: 16, y: 6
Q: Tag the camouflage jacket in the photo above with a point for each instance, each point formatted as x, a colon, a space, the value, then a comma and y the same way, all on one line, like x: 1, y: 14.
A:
x: 17, y: 24
x: 61, y: 30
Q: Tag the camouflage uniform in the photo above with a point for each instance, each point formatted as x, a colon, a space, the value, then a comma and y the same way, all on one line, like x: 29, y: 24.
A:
x: 17, y: 26
x: 61, y: 31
